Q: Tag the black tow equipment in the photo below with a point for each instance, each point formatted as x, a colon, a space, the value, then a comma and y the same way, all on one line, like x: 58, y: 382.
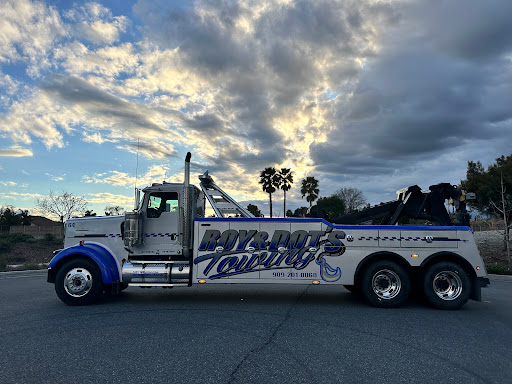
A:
x: 415, y: 204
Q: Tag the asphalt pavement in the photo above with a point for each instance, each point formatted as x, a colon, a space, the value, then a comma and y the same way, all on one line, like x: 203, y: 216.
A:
x: 248, y: 334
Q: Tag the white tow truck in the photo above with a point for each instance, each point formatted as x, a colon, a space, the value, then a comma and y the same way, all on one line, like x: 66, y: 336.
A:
x: 168, y: 242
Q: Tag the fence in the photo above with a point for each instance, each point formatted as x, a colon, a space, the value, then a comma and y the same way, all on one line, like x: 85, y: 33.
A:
x: 34, y: 230
x: 479, y: 226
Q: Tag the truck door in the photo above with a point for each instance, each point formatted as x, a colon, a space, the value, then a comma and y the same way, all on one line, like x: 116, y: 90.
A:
x: 161, y: 223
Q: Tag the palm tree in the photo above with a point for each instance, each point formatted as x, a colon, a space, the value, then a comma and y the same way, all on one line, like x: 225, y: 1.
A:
x: 268, y: 178
x: 285, y: 183
x: 310, y: 188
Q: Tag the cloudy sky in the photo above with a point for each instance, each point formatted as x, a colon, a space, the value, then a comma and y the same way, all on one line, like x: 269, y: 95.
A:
x: 376, y: 95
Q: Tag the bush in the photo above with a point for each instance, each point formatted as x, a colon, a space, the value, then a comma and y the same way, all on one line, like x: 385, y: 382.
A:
x: 20, y: 238
x: 49, y: 238
x: 498, y: 269
x: 52, y: 239
x: 5, y: 245
x: 7, y: 240
x: 3, y: 263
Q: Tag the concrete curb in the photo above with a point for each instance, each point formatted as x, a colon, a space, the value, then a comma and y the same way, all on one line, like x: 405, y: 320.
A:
x: 500, y: 276
x: 30, y: 271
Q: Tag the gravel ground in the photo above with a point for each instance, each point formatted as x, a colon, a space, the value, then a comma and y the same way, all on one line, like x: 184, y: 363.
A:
x: 24, y: 253
x: 491, y: 246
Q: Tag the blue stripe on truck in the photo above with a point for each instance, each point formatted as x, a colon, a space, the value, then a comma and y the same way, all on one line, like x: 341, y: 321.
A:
x: 335, y: 226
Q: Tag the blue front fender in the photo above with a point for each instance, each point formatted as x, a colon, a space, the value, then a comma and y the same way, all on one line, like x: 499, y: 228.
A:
x: 101, y: 256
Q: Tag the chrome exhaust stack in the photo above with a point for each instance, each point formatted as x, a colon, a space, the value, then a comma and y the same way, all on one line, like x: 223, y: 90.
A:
x: 187, y: 210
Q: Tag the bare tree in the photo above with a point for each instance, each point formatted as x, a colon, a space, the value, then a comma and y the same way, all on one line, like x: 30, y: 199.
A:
x: 504, y: 210
x: 115, y: 210
x: 352, y: 197
x: 63, y: 206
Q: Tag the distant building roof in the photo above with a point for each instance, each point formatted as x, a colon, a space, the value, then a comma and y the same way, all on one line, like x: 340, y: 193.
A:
x: 43, y: 222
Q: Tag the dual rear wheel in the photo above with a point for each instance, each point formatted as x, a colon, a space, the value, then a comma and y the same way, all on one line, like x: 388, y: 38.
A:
x: 446, y: 285
x: 387, y: 284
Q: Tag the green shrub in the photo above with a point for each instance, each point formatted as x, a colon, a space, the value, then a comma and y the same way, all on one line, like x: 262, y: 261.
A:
x: 20, y: 237
x: 49, y: 237
x: 5, y: 245
x: 3, y: 263
x: 498, y: 269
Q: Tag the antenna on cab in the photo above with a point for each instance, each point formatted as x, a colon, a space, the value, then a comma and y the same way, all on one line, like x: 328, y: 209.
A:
x: 137, y: 192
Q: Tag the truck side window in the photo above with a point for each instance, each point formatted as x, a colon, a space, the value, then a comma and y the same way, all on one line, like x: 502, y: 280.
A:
x: 162, y: 202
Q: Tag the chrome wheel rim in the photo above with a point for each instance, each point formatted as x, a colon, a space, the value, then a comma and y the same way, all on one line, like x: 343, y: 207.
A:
x: 447, y: 285
x: 386, y: 284
x: 78, y: 282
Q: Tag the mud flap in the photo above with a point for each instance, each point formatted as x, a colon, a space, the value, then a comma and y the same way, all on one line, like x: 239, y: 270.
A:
x: 477, y: 284
x: 115, y: 287
x: 476, y: 290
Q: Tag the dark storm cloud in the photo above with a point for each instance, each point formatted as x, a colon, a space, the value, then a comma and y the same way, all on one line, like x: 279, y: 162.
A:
x: 470, y: 29
x: 263, y: 74
x: 209, y: 124
x: 151, y: 150
x: 100, y: 104
x: 229, y: 155
x: 425, y: 95
x: 208, y: 41
x: 434, y: 76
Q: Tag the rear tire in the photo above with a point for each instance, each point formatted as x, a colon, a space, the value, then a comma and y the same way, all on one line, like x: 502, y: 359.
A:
x: 385, y: 284
x: 446, y: 285
x: 78, y: 282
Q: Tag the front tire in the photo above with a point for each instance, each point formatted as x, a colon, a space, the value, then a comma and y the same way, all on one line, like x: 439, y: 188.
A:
x: 385, y: 284
x: 78, y: 282
x: 446, y: 285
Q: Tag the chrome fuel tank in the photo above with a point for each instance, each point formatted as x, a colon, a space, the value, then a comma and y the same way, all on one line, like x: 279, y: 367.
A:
x: 148, y: 273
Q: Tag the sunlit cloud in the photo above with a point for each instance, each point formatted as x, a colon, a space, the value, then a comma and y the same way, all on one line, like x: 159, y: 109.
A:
x: 94, y: 22
x: 155, y: 173
x: 110, y: 199
x: 28, y: 32
x: 55, y: 178
x: 152, y: 150
x: 19, y: 196
x: 16, y: 151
